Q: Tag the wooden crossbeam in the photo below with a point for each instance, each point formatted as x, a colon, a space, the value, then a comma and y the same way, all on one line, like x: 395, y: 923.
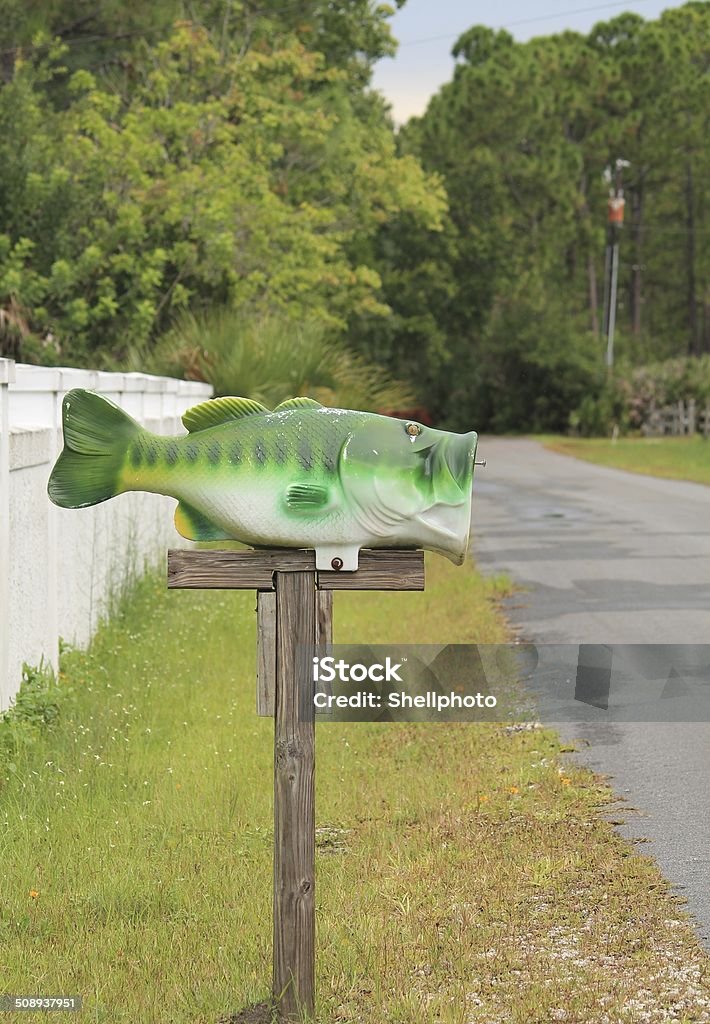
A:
x: 254, y: 570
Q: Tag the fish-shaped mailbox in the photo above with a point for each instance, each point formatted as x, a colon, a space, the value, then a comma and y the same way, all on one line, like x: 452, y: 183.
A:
x: 302, y: 475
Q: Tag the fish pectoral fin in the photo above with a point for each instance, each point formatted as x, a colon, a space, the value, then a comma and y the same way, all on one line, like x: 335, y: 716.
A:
x: 216, y: 411
x: 195, y: 526
x: 307, y: 497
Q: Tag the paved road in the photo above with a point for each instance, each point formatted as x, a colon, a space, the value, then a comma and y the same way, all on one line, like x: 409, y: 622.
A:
x: 613, y: 558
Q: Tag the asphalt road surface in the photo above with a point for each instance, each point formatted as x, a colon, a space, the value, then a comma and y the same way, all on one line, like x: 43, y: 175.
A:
x: 608, y: 557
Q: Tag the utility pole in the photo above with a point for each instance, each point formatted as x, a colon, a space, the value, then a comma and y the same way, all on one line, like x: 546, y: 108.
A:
x: 615, y: 223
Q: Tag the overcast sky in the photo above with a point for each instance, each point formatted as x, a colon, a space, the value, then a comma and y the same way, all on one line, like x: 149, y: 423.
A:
x: 427, y: 29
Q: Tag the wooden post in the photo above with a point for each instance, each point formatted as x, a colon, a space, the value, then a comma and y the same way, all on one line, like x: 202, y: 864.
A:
x: 266, y: 653
x: 266, y: 643
x: 324, y: 618
x: 294, y: 611
x: 294, y: 811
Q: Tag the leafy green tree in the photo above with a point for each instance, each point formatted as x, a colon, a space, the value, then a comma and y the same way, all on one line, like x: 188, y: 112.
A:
x: 238, y: 179
x: 108, y: 36
x: 520, y: 137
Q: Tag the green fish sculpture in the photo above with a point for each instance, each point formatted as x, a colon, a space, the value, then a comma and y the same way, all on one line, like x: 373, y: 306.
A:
x: 302, y: 476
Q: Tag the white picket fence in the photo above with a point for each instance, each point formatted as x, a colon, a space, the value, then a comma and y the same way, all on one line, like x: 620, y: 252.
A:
x: 677, y: 420
x: 59, y: 568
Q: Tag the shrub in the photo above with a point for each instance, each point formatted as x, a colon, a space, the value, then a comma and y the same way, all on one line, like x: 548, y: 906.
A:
x: 34, y: 708
x: 271, y: 358
x: 632, y: 395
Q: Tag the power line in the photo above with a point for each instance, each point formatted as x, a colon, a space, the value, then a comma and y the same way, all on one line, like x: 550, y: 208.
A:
x: 523, y: 21
x: 285, y: 8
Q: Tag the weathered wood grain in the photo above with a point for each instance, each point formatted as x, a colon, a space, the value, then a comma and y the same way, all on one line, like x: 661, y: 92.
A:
x: 379, y: 570
x: 294, y: 812
x: 266, y: 643
x: 324, y: 618
x: 254, y: 570
x: 234, y: 570
x: 266, y: 653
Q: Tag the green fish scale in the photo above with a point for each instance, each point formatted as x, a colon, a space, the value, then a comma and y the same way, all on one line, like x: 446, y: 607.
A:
x: 300, y: 441
x: 241, y: 470
x: 146, y: 450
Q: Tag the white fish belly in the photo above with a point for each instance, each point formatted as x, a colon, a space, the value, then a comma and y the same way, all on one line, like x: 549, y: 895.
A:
x: 257, y: 513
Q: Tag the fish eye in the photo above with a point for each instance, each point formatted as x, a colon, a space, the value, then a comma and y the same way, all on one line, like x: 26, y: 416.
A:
x: 413, y: 429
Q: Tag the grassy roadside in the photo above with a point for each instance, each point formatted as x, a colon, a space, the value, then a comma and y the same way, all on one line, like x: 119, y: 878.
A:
x: 463, y: 874
x: 677, y: 458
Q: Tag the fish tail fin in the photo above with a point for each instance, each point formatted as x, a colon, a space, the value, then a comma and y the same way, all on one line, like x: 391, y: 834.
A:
x: 96, y: 436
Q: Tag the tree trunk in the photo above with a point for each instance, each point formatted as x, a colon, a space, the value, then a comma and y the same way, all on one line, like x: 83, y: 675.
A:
x: 593, y: 293
x: 592, y: 286
x: 7, y: 65
x: 693, y: 339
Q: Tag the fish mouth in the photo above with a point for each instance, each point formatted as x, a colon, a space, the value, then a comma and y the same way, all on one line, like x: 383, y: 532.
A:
x: 449, y: 518
x: 459, y: 456
x: 449, y: 527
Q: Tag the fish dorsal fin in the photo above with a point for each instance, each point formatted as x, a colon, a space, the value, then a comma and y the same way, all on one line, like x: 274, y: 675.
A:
x: 298, y: 403
x: 216, y: 411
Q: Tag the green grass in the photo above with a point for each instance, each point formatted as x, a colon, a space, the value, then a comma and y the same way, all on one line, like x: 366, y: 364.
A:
x: 678, y: 458
x: 464, y: 874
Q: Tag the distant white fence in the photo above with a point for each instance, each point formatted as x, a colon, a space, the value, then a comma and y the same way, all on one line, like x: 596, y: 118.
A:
x: 677, y: 420
x: 58, y: 567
